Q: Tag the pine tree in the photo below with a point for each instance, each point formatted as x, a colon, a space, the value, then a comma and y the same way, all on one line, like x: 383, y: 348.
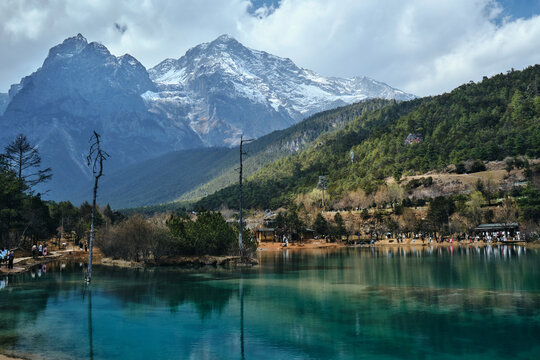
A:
x: 24, y: 160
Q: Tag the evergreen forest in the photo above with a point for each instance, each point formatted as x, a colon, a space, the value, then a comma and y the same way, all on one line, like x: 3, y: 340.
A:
x: 496, y: 118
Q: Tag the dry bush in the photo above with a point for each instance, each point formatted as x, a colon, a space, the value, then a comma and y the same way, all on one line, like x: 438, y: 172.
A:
x: 354, y: 199
x: 311, y: 202
x: 457, y: 224
x: 136, y: 239
x: 228, y: 213
x: 382, y: 196
x: 408, y: 221
x: 507, y: 212
x: 395, y: 193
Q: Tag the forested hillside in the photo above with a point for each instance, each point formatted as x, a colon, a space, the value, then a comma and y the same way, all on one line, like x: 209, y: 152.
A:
x: 490, y: 120
x: 192, y: 174
x: 281, y: 143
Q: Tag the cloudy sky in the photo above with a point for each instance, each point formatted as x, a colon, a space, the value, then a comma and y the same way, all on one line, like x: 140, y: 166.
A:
x: 425, y: 47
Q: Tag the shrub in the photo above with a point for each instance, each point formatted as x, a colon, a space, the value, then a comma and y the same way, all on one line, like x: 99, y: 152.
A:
x: 209, y: 234
x: 428, y: 181
x: 136, y: 239
x: 477, y: 166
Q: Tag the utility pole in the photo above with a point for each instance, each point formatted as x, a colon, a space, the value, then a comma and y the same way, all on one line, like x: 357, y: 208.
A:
x: 240, y: 233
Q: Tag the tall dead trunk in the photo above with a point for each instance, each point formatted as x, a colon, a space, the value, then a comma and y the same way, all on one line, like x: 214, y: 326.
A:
x: 95, y: 158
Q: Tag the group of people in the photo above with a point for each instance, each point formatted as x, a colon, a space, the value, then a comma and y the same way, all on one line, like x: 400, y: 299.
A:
x: 501, y: 236
x: 39, y: 250
x: 7, y: 257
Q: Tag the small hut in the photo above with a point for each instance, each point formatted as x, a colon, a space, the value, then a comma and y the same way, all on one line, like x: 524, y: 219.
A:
x: 265, y: 234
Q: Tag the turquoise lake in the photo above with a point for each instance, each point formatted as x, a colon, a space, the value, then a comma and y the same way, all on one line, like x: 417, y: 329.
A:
x: 353, y: 303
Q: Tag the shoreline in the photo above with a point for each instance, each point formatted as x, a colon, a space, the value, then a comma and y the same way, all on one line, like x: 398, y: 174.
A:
x: 7, y: 357
x: 310, y: 244
x: 25, y: 264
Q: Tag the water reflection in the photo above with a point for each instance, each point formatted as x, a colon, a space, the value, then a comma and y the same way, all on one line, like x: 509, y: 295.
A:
x: 4, y: 282
x: 241, y: 294
x: 412, y: 301
x: 350, y: 303
x: 488, y: 251
x: 88, y: 291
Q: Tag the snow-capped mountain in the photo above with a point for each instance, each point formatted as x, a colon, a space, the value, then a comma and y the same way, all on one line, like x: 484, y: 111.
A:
x: 225, y: 89
x: 82, y: 87
x: 209, y: 97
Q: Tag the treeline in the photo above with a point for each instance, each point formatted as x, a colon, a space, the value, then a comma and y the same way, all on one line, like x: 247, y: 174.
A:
x: 149, y: 240
x: 292, y: 223
x: 391, y: 211
x: 491, y: 120
x: 26, y: 219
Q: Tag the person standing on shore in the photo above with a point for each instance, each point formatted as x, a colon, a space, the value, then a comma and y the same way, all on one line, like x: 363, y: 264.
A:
x: 40, y: 249
x: 11, y: 258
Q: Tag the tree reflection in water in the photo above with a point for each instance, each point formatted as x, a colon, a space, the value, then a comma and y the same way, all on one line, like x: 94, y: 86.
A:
x: 349, y: 303
x: 88, y: 292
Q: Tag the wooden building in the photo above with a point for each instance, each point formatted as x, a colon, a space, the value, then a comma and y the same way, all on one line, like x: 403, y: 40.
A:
x: 509, y: 228
x: 265, y: 234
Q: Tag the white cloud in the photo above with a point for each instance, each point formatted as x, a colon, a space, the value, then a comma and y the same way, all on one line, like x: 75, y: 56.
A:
x: 421, y: 46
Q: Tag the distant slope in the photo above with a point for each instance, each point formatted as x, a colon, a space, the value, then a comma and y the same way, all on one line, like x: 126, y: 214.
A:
x: 157, y: 180
x: 4, y: 100
x: 279, y: 144
x: 191, y: 174
x: 490, y: 120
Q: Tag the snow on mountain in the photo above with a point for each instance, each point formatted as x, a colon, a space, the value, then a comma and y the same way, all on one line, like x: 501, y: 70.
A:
x: 272, y: 91
x: 82, y: 87
x: 211, y: 96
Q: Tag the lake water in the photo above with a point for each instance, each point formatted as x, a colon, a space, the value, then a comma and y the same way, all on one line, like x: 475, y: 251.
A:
x: 372, y: 303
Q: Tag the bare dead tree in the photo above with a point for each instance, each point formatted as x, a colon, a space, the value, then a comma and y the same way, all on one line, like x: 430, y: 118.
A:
x: 95, y: 158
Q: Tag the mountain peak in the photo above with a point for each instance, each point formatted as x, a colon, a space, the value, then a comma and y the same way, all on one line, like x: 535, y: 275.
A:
x: 79, y: 37
x: 225, y: 42
x: 68, y: 48
x: 225, y: 38
x: 77, y: 41
x: 232, y: 80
